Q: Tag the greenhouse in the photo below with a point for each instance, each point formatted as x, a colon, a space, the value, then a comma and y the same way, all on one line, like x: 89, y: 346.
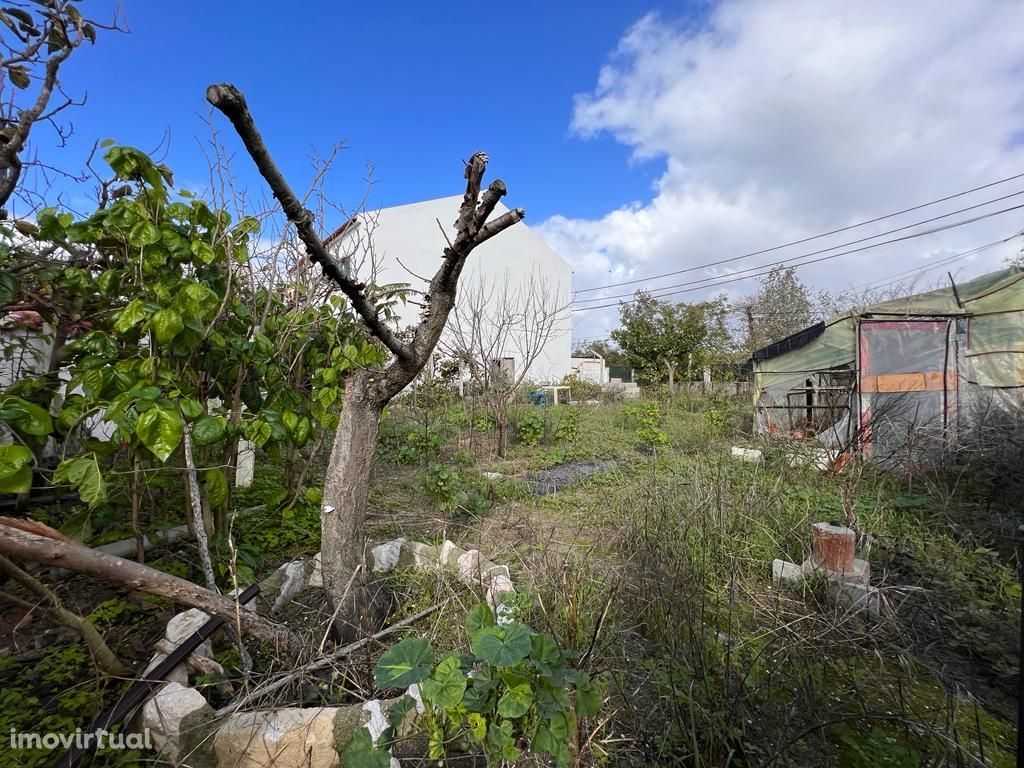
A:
x: 902, y: 378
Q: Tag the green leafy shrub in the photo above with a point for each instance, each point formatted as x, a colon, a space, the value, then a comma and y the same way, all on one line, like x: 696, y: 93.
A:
x: 648, y: 418
x: 514, y: 690
x: 450, y: 491
x: 531, y: 427
x: 568, y: 429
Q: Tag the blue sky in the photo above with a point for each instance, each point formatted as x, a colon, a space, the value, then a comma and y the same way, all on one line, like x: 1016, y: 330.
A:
x: 412, y: 87
x: 641, y: 138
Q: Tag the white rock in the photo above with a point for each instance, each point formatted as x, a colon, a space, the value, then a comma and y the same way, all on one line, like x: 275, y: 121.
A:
x: 163, y: 712
x: 491, y: 475
x: 316, y: 578
x: 450, y: 554
x: 747, y: 454
x: 387, y: 555
x: 294, y: 581
x: 468, y: 566
x: 177, y: 675
x: 785, y: 572
x: 185, y: 624
x: 420, y: 555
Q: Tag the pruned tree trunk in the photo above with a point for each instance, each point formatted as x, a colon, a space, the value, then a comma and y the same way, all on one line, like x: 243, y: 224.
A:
x: 52, y: 548
x: 347, y: 484
x: 367, y: 392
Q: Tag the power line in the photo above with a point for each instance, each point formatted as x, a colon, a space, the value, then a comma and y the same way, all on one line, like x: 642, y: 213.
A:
x: 712, y: 282
x: 782, y: 262
x: 814, y: 237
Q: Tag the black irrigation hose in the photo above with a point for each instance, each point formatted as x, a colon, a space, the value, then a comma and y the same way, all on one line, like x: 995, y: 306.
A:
x: 142, y: 689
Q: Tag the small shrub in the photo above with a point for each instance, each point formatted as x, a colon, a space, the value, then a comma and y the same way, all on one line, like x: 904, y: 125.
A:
x: 516, y: 690
x: 531, y: 428
x: 647, y: 417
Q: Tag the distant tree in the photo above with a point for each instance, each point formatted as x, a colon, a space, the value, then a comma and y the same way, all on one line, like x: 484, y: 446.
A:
x: 661, y: 340
x: 782, y: 306
x: 611, y: 354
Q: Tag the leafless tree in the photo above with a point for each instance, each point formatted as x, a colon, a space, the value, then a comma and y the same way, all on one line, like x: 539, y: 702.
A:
x: 346, y: 490
x: 35, y: 40
x: 497, y: 320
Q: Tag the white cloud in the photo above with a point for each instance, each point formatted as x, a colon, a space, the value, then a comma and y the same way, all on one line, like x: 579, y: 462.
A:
x: 781, y: 119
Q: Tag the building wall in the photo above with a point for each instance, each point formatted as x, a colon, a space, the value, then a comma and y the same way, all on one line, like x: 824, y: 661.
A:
x: 406, y: 243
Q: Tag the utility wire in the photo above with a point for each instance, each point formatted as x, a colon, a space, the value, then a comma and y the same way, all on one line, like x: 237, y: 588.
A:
x: 818, y: 237
x: 732, y: 277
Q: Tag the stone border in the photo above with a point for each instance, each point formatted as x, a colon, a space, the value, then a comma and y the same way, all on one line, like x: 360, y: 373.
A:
x: 181, y: 721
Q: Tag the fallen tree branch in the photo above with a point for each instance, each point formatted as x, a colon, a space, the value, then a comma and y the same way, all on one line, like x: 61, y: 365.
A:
x: 105, y: 658
x: 325, y: 661
x: 40, y: 547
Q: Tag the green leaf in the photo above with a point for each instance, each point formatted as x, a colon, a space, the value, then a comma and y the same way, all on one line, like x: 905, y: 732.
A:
x: 216, y: 487
x: 257, y: 432
x: 166, y: 324
x: 500, y: 741
x: 588, y: 703
x: 502, y: 647
x: 160, y: 430
x: 9, y: 288
x: 133, y: 314
x: 27, y: 418
x: 303, y: 432
x: 83, y: 473
x: 515, y: 701
x: 144, y: 233
x: 445, y: 687
x: 403, y: 664
x: 477, y: 727
x: 92, y: 382
x: 478, y: 617
x: 545, y: 654
x: 78, y: 526
x: 208, y: 430
x: 192, y: 409
x: 202, y: 251
x: 361, y: 753
x: 15, y: 469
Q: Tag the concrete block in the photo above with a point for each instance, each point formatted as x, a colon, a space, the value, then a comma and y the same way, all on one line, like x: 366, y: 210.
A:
x: 245, y: 465
x: 859, y: 598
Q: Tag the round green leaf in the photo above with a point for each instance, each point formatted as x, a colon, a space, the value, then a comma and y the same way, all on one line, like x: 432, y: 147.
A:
x: 144, y: 233
x: 208, y: 430
x: 403, y: 664
x: 361, y: 752
x: 192, y: 409
x: 133, y: 313
x: 160, y: 430
x: 166, y: 324
x: 444, y: 688
x: 27, y: 418
x: 15, y: 469
x: 478, y: 617
x: 502, y: 647
x: 516, y: 701
x: 9, y: 288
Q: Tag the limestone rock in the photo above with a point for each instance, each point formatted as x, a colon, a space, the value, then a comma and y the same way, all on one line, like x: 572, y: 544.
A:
x: 177, y: 675
x: 294, y: 581
x: 785, y: 572
x: 747, y: 454
x: 450, y: 554
x: 163, y: 712
x: 416, y: 554
x: 183, y: 625
x: 387, y: 556
x: 281, y: 737
x: 491, y: 475
x: 316, y: 578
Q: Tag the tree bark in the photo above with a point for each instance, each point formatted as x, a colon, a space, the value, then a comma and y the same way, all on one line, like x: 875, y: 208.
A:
x: 347, y: 484
x: 66, y: 553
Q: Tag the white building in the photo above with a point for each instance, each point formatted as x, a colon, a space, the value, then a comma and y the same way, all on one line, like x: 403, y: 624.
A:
x: 405, y: 244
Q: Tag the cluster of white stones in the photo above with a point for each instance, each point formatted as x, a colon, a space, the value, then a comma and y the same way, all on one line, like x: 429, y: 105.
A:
x: 181, y: 721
